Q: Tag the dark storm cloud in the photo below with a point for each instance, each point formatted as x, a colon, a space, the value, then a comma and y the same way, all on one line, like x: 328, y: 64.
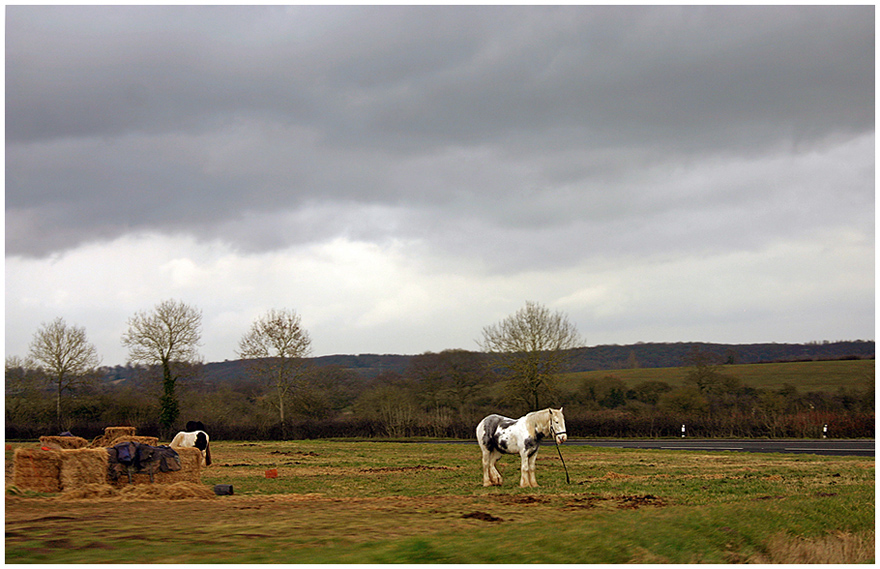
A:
x: 526, y: 124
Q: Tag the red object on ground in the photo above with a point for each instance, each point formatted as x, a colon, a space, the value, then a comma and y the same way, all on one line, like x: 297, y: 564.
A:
x: 272, y: 473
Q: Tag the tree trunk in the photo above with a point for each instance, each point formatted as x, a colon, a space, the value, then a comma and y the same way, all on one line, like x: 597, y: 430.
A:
x: 58, y: 405
x: 169, y: 410
x: 281, y: 415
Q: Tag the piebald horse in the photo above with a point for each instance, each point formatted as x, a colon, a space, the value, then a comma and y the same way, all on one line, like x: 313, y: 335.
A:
x: 499, y: 435
x: 196, y: 439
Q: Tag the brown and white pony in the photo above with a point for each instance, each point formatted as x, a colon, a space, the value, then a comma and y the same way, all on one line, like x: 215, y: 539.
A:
x: 197, y: 439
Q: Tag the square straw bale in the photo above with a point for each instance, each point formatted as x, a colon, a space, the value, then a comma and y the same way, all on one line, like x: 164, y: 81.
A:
x: 80, y: 467
x: 176, y: 491
x: 152, y: 441
x: 90, y: 492
x: 111, y: 434
x: 64, y: 442
x: 36, y: 469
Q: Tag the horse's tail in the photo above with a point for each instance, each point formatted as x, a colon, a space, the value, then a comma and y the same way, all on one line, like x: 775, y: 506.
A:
x: 480, y: 431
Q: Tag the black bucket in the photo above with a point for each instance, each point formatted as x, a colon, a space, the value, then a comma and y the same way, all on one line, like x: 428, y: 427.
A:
x: 223, y: 489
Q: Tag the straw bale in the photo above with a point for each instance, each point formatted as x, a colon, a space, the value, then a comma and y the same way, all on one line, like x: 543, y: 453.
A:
x: 152, y: 441
x: 64, y: 442
x: 90, y: 492
x: 36, y: 469
x: 111, y: 434
x: 176, y: 491
x: 190, y: 471
x: 80, y: 467
x: 190, y: 467
x: 184, y: 490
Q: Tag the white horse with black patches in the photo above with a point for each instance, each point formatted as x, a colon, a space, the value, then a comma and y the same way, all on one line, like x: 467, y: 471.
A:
x: 194, y: 439
x: 499, y: 435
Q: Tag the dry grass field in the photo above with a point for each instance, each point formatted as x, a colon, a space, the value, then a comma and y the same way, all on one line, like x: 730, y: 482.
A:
x: 820, y: 376
x: 380, y: 502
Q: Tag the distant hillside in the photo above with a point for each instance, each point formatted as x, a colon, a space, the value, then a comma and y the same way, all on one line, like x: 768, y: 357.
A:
x: 643, y: 355
x: 366, y: 365
x: 672, y: 355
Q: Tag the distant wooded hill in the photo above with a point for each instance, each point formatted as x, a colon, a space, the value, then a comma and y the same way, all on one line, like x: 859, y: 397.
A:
x: 645, y: 355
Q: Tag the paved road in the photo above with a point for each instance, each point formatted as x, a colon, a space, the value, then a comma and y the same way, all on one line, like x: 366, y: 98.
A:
x: 836, y: 447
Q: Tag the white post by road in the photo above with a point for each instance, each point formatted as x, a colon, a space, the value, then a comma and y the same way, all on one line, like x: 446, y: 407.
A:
x: 682, y: 431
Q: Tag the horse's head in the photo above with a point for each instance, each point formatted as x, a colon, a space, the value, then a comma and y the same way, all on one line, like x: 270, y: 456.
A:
x: 557, y: 425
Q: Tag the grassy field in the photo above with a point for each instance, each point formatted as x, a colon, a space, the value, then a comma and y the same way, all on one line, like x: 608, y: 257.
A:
x: 382, y: 502
x: 822, y: 376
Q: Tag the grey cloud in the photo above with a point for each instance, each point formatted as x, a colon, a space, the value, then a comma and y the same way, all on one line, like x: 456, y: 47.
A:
x: 459, y: 73
x: 517, y: 119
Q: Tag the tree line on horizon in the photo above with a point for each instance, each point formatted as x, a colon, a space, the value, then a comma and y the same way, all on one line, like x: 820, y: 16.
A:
x: 279, y: 392
x: 444, y: 395
x: 602, y: 357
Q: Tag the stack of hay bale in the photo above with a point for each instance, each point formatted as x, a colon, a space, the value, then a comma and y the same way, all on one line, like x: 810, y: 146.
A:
x: 110, y: 435
x: 57, y: 468
x: 54, y: 470
x: 115, y: 435
x: 63, y: 442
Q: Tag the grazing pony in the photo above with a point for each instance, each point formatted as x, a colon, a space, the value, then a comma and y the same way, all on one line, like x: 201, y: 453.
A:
x: 197, y: 439
x: 499, y: 435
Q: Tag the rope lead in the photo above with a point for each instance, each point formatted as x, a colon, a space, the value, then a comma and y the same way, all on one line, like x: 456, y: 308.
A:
x: 556, y: 442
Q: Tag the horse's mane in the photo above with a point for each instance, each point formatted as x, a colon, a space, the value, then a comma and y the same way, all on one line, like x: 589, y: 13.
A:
x: 533, y: 419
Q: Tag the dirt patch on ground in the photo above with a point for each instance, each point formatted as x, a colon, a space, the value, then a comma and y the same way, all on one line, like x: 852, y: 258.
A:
x: 522, y: 499
x: 300, y: 469
x: 616, y: 476
x: 632, y: 502
x: 417, y: 468
x: 636, y: 502
x: 294, y: 453
x: 482, y: 516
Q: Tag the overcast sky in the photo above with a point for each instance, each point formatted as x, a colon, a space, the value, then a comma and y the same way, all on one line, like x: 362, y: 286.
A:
x: 404, y: 176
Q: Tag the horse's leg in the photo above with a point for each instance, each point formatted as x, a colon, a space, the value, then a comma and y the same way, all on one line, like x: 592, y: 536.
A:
x: 487, y: 467
x: 524, y: 479
x: 532, y: 480
x: 493, y: 472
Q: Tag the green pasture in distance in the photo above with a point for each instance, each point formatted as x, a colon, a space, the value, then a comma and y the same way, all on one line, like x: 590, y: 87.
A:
x: 384, y: 502
x: 821, y: 376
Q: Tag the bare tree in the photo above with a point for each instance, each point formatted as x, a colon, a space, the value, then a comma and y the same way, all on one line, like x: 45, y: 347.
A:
x: 168, y: 337
x: 530, y: 346
x: 66, y: 356
x: 451, y: 377
x: 705, y: 372
x: 276, y: 346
